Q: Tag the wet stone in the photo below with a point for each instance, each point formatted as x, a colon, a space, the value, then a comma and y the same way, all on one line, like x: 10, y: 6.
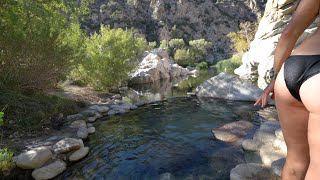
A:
x: 66, y: 145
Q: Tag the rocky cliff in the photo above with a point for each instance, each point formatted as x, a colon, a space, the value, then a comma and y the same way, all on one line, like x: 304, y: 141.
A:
x: 259, y: 59
x: 162, y: 19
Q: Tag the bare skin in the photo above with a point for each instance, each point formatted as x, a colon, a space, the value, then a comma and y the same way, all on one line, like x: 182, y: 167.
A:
x: 300, y: 121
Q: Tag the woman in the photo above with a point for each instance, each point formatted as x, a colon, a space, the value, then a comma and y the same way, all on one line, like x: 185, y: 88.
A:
x: 296, y: 91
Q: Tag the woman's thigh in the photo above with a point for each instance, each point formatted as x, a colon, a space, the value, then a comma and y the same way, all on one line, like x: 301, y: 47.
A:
x: 310, y: 97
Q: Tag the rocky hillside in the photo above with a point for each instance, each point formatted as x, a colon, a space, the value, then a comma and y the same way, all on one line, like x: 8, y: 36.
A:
x: 259, y: 59
x: 166, y: 19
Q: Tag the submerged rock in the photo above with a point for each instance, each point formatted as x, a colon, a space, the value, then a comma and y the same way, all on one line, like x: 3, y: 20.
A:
x: 34, y: 158
x: 50, y: 171
x: 232, y: 131
x: 250, y: 171
x: 82, y: 133
x: 79, y: 154
x: 229, y: 87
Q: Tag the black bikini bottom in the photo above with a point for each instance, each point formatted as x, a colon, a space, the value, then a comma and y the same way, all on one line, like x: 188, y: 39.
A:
x: 299, y: 68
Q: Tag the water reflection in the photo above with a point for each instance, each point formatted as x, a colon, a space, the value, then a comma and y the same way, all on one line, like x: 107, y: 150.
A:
x: 174, y: 87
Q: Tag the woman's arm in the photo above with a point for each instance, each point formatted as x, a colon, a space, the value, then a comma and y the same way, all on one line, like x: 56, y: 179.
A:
x: 304, y: 15
x: 306, y: 12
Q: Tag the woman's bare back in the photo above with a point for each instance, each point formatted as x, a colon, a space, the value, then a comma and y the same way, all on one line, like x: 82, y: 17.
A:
x: 310, y: 46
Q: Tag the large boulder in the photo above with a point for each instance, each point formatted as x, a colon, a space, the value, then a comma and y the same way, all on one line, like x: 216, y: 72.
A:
x: 229, y: 87
x: 260, y: 57
x: 156, y: 66
x: 232, y: 131
x: 34, y: 158
x: 50, y: 171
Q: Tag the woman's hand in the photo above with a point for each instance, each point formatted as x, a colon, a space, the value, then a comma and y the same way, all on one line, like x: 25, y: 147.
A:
x: 263, y: 99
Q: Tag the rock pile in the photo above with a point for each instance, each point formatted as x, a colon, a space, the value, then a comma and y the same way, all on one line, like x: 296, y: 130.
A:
x: 269, y: 143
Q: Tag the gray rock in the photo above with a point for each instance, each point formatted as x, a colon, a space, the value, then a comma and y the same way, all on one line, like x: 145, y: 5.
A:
x: 124, y: 111
x: 229, y: 87
x: 82, y: 133
x: 132, y: 107
x: 92, y: 119
x: 91, y: 130
x: 251, y: 145
x: 277, y: 166
x: 89, y: 125
x: 34, y: 158
x: 269, y: 154
x: 103, y: 109
x: 50, y: 171
x: 140, y: 103
x: 78, y: 123
x: 232, y: 131
x: 250, y: 171
x: 79, y: 154
x: 264, y: 136
x: 115, y: 107
x: 66, y: 145
x: 117, y: 96
x: 75, y: 117
x: 89, y: 112
x: 112, y: 113
x: 271, y: 126
x: 279, y: 134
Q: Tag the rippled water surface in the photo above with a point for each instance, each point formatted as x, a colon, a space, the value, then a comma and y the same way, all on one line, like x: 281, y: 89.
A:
x: 167, y: 140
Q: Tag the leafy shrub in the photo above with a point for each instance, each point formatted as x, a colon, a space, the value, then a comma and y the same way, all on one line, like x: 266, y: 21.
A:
x: 202, y: 65
x: 183, y: 57
x: 200, y: 48
x: 163, y: 44
x: 176, y: 43
x: 33, y: 54
x: 109, y: 57
x: 6, y: 163
x: 239, y: 42
x: 228, y: 65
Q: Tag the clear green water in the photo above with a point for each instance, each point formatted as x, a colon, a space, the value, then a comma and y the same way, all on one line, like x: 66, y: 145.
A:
x: 167, y: 140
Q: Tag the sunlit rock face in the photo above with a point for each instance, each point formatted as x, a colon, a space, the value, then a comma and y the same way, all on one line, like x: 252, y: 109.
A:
x: 161, y: 19
x: 259, y: 59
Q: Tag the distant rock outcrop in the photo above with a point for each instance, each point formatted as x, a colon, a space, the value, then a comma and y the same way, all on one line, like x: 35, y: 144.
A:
x: 189, y: 20
x: 259, y: 59
x: 155, y: 66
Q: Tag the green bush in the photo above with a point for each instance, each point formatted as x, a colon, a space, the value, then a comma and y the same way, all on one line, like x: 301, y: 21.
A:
x: 200, y: 48
x: 163, y: 44
x: 202, y: 65
x: 6, y: 163
x: 228, y: 65
x: 176, y: 44
x: 33, y: 53
x: 183, y: 57
x: 239, y: 42
x: 109, y: 57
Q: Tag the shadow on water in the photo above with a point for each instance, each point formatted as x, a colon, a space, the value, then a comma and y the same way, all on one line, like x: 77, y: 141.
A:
x: 170, y: 139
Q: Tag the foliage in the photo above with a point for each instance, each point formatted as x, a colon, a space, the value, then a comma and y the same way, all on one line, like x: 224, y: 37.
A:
x: 202, y: 65
x: 109, y: 57
x: 176, y: 44
x: 152, y: 45
x: 183, y: 57
x: 239, y: 42
x: 163, y: 44
x: 200, y: 48
x: 228, y: 65
x: 33, y: 53
x: 6, y: 163
x: 1, y: 118
x: 34, y: 110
